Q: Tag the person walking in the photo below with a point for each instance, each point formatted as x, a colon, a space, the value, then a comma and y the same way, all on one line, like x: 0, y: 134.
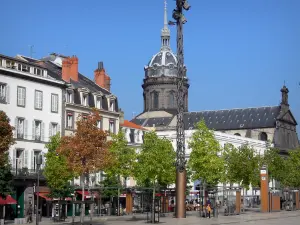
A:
x: 208, y: 209
x: 29, y: 214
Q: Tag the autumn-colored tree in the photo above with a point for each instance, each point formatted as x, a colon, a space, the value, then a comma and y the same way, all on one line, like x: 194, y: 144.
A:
x: 6, y: 136
x: 87, y: 150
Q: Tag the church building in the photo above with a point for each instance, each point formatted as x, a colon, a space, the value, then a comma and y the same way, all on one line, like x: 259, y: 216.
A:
x: 272, y: 123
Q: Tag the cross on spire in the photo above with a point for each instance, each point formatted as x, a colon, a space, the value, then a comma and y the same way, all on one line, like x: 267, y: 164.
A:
x: 165, y: 32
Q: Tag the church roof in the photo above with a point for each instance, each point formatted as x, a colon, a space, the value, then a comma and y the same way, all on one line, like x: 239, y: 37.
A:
x: 229, y: 119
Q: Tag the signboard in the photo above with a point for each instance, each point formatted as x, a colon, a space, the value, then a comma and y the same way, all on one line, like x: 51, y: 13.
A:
x: 263, y: 178
x: 263, y: 172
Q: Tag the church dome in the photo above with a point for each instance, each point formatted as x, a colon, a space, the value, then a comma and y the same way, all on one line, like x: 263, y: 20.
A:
x: 163, y: 58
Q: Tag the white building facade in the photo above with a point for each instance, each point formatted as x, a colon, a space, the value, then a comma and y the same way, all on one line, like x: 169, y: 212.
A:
x: 223, y: 139
x: 33, y: 102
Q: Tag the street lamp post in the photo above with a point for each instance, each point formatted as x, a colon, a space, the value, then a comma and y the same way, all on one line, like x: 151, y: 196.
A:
x: 180, y: 136
x: 39, y: 162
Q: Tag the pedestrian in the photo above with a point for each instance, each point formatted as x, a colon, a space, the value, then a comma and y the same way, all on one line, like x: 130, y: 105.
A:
x: 29, y: 214
x: 208, y: 209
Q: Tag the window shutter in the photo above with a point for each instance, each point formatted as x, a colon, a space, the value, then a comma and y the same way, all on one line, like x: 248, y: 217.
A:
x: 7, y: 95
x: 33, y: 130
x: 57, y: 103
x: 13, y: 163
x: 43, y: 160
x: 25, y: 128
x: 23, y: 96
x: 32, y: 159
x: 43, y: 131
x: 25, y: 158
x: 41, y: 99
x: 50, y: 130
x: 16, y: 127
x: 58, y: 129
x: 35, y: 100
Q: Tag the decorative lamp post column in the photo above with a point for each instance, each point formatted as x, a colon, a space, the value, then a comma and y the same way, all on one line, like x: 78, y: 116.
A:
x: 39, y: 162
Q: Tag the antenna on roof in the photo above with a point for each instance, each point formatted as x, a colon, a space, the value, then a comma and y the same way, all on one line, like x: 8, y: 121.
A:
x: 31, y: 51
x: 133, y: 114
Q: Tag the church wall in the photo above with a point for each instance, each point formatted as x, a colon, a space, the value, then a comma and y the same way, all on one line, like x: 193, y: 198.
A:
x: 253, y: 133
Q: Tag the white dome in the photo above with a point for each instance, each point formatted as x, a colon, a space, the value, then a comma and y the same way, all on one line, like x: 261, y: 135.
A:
x: 163, y: 58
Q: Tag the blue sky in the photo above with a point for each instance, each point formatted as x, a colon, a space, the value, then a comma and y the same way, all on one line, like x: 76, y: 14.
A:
x: 238, y: 53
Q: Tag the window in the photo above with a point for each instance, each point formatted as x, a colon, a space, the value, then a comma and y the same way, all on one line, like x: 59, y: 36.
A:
x: 112, y: 105
x: 155, y: 100
x: 38, y: 100
x: 69, y: 97
x: 37, y: 71
x: 53, y: 129
x: 21, y: 95
x: 85, y: 100
x: 70, y: 120
x: 4, y: 98
x: 138, y: 136
x: 35, y: 155
x: 20, y: 128
x: 37, y: 130
x: 99, y: 124
x: 24, y: 68
x: 98, y: 103
x: 131, y: 135
x: 10, y: 64
x: 1, y: 62
x: 21, y: 158
x: 171, y: 99
x: 112, y: 126
x: 54, y: 103
x: 263, y: 136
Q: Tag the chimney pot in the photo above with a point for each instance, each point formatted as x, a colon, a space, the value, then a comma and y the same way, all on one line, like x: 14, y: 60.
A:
x: 100, y: 65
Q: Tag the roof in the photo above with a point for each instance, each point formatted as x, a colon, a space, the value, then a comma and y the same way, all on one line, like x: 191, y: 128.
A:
x: 131, y: 125
x: 229, y: 119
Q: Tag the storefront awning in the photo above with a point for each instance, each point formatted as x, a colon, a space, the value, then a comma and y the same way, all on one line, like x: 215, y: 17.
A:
x: 8, y: 200
x: 88, y: 195
x: 44, y: 195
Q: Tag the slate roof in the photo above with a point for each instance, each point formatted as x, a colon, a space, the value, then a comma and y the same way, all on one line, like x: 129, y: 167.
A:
x: 229, y: 119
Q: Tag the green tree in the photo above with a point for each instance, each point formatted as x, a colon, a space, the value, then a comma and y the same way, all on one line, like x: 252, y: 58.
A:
x: 109, y: 186
x: 155, y: 163
x: 6, y: 176
x: 6, y: 137
x: 56, y: 171
x: 292, y: 164
x: 205, y: 160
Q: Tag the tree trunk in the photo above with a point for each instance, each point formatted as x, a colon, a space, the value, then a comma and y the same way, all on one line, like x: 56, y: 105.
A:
x: 82, y: 204
x: 91, y: 206
x: 73, y: 213
x: 153, y: 205
x: 118, y: 207
x: 244, y: 200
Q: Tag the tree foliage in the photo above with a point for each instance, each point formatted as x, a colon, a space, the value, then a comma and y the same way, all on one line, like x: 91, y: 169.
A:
x: 205, y: 160
x: 155, y: 162
x: 276, y: 164
x: 110, y: 186
x: 242, y: 165
x: 56, y: 170
x: 6, y: 137
x: 292, y: 170
x: 123, y: 157
x: 87, y: 150
x: 6, y: 176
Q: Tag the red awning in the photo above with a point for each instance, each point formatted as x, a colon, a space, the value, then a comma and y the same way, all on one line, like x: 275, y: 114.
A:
x: 88, y: 195
x: 8, y: 200
x: 44, y: 195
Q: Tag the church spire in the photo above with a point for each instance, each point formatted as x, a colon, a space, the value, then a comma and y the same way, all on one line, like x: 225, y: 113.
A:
x: 165, y: 32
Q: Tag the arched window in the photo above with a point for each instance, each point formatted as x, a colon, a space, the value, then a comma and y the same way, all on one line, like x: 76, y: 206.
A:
x: 171, y: 99
x: 263, y: 136
x: 237, y: 134
x: 155, y: 100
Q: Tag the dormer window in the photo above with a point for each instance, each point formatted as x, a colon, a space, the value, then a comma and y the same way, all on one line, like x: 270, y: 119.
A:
x: 24, y: 68
x: 10, y: 64
x: 37, y: 71
x: 112, y: 105
x: 98, y: 103
x: 84, y: 100
x: 69, y: 96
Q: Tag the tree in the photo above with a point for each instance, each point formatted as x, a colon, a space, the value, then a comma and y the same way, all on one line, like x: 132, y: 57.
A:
x: 87, y: 150
x: 205, y: 160
x: 109, y: 186
x: 56, y: 171
x: 123, y: 159
x: 292, y: 165
x: 6, y: 137
x: 155, y: 163
x: 6, y: 176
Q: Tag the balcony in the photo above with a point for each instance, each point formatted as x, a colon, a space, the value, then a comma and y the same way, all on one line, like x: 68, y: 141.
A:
x: 37, y: 137
x: 25, y: 173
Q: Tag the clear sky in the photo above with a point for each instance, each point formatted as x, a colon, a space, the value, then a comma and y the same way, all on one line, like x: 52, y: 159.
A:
x: 238, y: 52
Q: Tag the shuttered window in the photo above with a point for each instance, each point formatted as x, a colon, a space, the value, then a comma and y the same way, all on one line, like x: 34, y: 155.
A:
x: 21, y: 96
x: 38, y: 100
x: 54, y: 103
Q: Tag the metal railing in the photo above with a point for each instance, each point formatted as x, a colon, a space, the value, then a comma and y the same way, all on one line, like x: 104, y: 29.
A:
x: 25, y: 172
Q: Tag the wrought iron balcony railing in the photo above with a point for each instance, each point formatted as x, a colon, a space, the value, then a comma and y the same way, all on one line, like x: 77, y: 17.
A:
x: 25, y: 172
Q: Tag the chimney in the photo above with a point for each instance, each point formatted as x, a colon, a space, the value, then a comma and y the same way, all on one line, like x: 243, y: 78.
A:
x: 66, y: 65
x: 101, y: 78
x: 74, y: 68
x: 70, y: 69
x: 121, y: 117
